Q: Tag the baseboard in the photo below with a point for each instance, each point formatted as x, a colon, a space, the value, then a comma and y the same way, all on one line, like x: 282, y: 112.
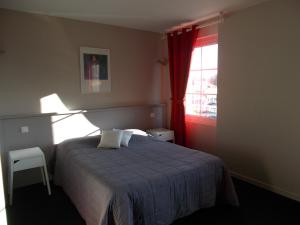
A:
x: 266, y: 186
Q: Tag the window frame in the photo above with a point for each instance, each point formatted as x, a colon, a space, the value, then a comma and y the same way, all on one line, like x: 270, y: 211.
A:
x: 200, y: 42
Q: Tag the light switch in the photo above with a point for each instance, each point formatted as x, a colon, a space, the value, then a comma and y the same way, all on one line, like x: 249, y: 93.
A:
x: 24, y: 129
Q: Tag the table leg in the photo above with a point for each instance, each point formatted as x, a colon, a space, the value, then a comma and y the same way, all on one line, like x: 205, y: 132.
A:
x: 43, y: 175
x: 47, y: 179
x: 11, y: 182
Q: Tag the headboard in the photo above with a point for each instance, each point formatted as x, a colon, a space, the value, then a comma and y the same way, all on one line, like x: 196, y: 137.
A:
x: 47, y: 130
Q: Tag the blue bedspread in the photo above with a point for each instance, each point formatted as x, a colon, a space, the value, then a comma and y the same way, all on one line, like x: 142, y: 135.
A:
x: 148, y: 183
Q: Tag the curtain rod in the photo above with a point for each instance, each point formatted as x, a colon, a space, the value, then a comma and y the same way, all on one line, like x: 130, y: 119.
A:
x: 201, y: 23
x: 217, y: 17
x: 210, y: 21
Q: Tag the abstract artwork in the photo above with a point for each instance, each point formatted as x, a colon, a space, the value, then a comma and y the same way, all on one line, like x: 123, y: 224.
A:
x: 95, y: 70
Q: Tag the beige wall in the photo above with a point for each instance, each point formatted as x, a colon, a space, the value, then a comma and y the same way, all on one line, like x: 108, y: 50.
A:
x: 42, y: 57
x: 258, y: 126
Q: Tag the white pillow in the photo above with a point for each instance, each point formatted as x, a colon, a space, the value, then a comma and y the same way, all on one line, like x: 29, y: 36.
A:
x: 111, y: 139
x: 126, y: 137
x: 137, y: 132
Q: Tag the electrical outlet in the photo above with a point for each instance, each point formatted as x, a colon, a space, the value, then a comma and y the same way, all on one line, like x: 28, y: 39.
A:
x: 24, y: 129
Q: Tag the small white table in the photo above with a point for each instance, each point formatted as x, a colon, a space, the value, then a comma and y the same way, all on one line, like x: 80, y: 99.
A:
x: 24, y: 159
x: 162, y: 134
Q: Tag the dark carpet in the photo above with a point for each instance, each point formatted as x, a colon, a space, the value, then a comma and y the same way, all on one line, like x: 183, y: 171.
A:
x: 33, y: 206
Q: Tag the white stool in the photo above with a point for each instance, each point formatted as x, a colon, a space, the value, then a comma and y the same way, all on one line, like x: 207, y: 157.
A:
x: 26, y: 159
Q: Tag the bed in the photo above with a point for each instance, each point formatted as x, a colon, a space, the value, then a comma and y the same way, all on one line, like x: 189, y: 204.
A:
x: 148, y: 183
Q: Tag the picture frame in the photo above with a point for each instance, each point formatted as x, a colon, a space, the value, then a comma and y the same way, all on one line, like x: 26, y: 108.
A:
x: 95, y: 70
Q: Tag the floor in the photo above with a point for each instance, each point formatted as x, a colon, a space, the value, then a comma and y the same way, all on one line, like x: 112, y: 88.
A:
x: 32, y: 206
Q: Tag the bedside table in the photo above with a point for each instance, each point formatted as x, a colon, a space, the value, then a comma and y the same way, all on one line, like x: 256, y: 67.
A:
x: 162, y: 134
x: 24, y: 159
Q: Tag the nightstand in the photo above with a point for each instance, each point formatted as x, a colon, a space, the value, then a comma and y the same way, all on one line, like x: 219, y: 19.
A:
x: 162, y: 134
x: 24, y: 159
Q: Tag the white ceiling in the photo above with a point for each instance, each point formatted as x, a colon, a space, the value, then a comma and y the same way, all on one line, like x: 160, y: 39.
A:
x: 150, y: 15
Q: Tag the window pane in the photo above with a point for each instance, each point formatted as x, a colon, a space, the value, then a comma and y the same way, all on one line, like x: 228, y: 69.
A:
x: 201, y: 93
x: 209, y: 94
x: 209, y: 82
x: 196, y: 59
x: 210, y: 57
x: 209, y: 106
x: 194, y: 82
x: 192, y: 104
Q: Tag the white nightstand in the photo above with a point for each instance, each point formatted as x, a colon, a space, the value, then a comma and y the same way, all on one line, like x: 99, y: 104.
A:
x: 162, y: 134
x: 24, y: 159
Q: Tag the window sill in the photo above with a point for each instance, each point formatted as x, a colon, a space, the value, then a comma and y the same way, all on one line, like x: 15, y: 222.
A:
x: 201, y: 120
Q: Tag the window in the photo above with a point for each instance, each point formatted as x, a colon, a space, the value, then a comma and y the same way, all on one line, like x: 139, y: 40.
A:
x: 201, y: 92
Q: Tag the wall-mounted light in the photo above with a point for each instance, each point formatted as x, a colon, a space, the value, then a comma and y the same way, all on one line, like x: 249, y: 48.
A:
x: 163, y: 61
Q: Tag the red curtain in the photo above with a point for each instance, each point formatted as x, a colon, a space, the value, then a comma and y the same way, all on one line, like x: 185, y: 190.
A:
x: 180, y: 47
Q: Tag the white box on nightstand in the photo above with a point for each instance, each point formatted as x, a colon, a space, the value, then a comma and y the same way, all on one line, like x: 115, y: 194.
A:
x: 162, y: 134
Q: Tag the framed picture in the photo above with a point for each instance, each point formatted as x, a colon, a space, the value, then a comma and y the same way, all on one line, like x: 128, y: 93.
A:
x: 95, y: 70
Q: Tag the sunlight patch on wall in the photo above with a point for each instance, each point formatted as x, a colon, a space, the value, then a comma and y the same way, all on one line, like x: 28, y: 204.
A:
x: 66, y: 124
x: 52, y: 104
x: 71, y: 126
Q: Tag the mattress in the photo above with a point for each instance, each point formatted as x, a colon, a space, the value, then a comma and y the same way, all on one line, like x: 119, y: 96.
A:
x: 151, y: 182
